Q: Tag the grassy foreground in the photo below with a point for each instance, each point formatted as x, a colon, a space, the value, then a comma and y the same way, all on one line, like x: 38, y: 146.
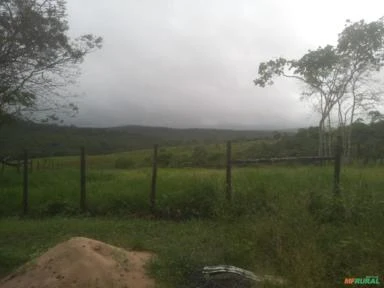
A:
x: 283, y: 220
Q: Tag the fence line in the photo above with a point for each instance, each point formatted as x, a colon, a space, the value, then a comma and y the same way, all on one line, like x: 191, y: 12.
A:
x: 7, y: 161
x: 25, y: 185
x: 338, y: 154
x: 83, y: 204
x: 282, y: 159
x: 27, y: 165
x: 229, y: 172
x: 311, y: 159
x: 152, y: 196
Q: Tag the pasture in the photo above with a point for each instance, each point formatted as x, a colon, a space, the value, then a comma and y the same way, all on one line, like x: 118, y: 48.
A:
x: 283, y: 220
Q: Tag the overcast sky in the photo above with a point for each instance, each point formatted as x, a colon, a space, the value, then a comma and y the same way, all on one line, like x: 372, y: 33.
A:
x: 190, y: 63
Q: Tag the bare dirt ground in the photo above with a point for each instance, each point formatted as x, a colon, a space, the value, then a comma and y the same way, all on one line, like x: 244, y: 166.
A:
x: 82, y: 262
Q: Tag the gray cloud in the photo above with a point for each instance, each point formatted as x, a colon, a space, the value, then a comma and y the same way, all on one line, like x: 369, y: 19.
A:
x: 191, y: 63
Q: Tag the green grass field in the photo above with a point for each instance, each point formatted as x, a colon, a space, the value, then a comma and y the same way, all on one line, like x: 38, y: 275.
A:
x: 283, y: 220
x: 212, y: 155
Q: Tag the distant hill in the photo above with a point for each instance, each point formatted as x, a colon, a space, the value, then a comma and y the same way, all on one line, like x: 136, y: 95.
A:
x: 54, y: 140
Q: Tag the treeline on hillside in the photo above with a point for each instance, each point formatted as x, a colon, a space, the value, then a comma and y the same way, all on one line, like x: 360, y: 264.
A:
x: 367, y: 144
x: 53, y: 140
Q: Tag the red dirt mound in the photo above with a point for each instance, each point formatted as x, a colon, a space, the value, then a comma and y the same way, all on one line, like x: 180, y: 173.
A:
x: 83, y: 262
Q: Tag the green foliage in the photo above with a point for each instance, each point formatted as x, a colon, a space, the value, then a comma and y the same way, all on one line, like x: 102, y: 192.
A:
x: 326, y: 208
x: 199, y: 156
x: 338, y: 80
x: 37, y: 56
x: 367, y: 144
x: 164, y: 159
x: 270, y: 69
x: 364, y: 41
x: 360, y: 46
x: 197, y: 199
x: 281, y: 220
x: 58, y: 207
x: 52, y: 140
x: 316, y: 65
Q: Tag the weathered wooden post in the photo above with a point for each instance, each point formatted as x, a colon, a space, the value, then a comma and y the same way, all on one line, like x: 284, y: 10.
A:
x: 152, y: 197
x: 25, y: 184
x: 229, y: 172
x: 338, y: 154
x: 83, y: 206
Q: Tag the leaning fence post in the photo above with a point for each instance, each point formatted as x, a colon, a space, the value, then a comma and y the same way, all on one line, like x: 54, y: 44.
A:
x: 152, y: 197
x: 83, y: 206
x: 25, y: 184
x: 338, y: 154
x: 229, y: 173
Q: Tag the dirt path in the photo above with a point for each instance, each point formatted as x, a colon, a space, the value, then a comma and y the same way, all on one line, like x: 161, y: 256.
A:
x: 82, y: 262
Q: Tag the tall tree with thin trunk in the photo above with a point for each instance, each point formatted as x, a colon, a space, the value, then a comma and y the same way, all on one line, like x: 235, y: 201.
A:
x: 329, y: 73
x: 38, y: 59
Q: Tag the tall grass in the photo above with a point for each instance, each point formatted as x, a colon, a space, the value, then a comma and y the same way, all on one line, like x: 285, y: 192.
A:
x: 187, y: 193
x: 282, y: 220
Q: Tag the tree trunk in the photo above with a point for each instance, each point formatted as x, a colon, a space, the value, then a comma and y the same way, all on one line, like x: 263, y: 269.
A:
x: 349, y: 146
x: 329, y: 153
x: 321, y: 137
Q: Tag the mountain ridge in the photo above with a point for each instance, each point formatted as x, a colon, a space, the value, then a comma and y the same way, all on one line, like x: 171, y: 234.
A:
x: 52, y: 139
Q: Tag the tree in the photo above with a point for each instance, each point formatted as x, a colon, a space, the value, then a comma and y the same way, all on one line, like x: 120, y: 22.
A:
x: 336, y: 77
x: 375, y: 116
x: 37, y: 58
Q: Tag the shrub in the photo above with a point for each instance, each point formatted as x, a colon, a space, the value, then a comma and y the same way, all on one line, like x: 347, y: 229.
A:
x: 199, y: 156
x: 164, y: 159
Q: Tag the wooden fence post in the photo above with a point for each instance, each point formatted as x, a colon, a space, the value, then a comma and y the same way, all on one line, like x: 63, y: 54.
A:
x: 25, y: 184
x: 152, y: 197
x: 83, y: 206
x: 229, y: 172
x: 338, y: 154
